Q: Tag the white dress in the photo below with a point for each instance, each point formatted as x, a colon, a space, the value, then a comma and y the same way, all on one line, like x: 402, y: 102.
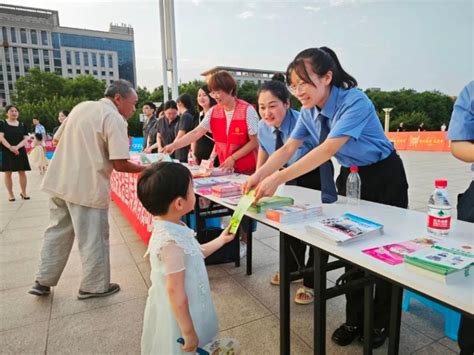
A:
x: 174, y: 248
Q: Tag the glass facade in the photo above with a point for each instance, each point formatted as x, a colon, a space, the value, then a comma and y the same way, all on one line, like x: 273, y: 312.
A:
x: 44, y: 38
x: 123, y: 48
x: 13, y: 34
x: 23, y: 36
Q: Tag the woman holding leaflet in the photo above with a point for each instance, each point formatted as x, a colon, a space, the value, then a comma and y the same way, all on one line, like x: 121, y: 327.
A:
x: 344, y: 122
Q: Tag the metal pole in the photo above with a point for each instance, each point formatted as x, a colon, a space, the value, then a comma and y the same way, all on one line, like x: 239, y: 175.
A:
x: 163, y: 50
x: 172, y: 39
x: 387, y: 118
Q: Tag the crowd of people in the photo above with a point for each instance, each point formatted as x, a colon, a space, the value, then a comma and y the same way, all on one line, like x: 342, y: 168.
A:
x: 283, y: 147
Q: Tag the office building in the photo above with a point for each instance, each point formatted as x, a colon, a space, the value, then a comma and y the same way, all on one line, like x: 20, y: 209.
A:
x: 32, y: 37
x: 241, y: 75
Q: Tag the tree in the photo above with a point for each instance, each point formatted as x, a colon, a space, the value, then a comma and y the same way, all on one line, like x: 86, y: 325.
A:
x: 248, y: 92
x: 37, y: 85
x: 85, y: 86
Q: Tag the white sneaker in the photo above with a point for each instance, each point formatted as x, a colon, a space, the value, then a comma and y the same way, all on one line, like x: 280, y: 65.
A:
x: 243, y: 249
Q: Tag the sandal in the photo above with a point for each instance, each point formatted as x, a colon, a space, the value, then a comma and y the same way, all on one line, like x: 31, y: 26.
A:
x: 304, y: 291
x: 275, y: 280
x: 11, y: 199
x: 24, y: 197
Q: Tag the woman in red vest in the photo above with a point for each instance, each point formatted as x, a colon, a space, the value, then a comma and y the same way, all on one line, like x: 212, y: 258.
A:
x: 234, y: 126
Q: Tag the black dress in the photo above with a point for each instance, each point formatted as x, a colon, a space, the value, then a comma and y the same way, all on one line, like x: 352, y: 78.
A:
x: 14, y: 135
x: 204, y: 145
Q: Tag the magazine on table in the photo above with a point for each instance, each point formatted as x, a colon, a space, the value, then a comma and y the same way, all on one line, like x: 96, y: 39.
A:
x: 294, y: 213
x: 345, y: 228
x: 394, y: 253
x: 447, y: 262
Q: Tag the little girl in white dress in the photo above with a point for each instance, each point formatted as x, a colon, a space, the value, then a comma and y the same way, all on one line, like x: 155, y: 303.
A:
x: 179, y: 303
x: 37, y: 155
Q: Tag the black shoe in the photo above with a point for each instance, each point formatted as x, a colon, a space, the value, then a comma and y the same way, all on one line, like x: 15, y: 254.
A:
x: 345, y: 334
x: 39, y: 290
x: 113, y: 288
x: 379, y: 338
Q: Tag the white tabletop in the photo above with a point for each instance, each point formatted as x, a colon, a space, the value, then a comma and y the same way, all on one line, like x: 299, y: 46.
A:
x: 399, y: 225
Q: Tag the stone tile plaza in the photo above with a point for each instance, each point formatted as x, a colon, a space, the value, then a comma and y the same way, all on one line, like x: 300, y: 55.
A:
x: 247, y: 306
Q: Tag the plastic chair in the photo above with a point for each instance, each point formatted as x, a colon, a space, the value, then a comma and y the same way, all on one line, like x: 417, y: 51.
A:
x: 451, y: 318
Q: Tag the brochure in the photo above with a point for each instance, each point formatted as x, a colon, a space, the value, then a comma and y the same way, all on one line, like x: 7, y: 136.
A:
x: 393, y: 253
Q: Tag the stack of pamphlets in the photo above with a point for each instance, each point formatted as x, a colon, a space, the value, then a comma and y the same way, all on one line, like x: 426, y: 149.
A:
x: 294, y: 213
x: 394, y: 253
x: 226, y: 190
x: 266, y: 203
x: 209, y: 182
x: 147, y: 159
x: 222, y: 346
x: 345, y: 228
x: 446, y: 262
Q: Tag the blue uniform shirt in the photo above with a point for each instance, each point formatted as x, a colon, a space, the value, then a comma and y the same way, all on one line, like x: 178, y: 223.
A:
x: 350, y: 113
x: 461, y: 126
x: 267, y: 136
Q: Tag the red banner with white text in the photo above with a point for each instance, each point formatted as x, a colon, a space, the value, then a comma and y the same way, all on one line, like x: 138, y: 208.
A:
x: 421, y: 141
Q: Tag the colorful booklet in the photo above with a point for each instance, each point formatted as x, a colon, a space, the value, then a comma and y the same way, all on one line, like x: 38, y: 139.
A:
x: 345, y: 228
x: 393, y: 253
x: 154, y: 158
x: 294, y: 213
x: 226, y: 190
x: 445, y: 262
x: 208, y: 182
x: 222, y: 346
x: 266, y: 203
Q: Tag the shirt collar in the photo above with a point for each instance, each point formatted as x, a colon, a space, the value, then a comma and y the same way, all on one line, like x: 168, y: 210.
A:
x: 286, y: 124
x: 329, y: 108
x: 109, y: 102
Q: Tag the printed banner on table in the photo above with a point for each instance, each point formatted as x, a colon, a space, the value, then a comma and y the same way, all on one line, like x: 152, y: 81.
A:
x: 420, y: 141
x: 124, y: 194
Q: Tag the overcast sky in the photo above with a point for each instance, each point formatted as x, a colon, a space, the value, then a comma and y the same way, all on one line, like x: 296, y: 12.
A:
x: 424, y: 45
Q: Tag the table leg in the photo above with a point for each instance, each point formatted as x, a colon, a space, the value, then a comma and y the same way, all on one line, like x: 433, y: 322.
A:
x: 319, y: 336
x: 249, y: 247
x: 368, y: 317
x: 284, y: 295
x: 395, y: 319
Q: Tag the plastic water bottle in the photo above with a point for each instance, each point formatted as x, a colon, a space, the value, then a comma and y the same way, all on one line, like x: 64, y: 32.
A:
x: 353, y: 186
x: 191, y: 158
x: 439, y: 210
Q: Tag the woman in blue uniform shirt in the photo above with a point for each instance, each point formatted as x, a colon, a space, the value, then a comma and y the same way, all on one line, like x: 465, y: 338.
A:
x: 461, y: 135
x: 274, y: 129
x: 344, y: 121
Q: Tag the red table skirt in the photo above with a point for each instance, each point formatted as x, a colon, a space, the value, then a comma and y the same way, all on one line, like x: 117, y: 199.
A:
x: 124, y: 194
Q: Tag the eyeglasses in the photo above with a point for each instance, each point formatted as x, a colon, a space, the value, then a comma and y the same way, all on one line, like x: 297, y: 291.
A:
x: 295, y: 88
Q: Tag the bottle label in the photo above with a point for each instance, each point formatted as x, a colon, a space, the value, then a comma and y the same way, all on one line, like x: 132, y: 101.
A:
x: 439, y: 218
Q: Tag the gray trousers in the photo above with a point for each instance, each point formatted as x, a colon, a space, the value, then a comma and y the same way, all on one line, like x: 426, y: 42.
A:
x: 91, y: 228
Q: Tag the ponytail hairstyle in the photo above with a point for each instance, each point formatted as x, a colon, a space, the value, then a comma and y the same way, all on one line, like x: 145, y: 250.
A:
x: 277, y: 88
x: 187, y: 101
x: 322, y: 60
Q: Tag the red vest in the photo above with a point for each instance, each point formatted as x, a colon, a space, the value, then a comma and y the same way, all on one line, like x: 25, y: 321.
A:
x: 237, y: 138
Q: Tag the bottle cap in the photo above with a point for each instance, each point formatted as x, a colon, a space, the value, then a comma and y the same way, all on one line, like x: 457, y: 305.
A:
x: 441, y: 183
x: 354, y: 169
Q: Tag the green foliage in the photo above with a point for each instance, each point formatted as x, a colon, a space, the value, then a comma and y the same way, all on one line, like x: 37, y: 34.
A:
x: 47, y: 110
x: 37, y: 85
x: 248, y: 92
x: 431, y: 107
x: 85, y: 86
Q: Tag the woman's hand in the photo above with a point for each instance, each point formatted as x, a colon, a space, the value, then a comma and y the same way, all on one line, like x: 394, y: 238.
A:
x: 191, y: 342
x: 14, y: 150
x: 251, y: 183
x: 229, y: 163
x: 147, y: 150
x: 267, y: 187
x: 169, y: 149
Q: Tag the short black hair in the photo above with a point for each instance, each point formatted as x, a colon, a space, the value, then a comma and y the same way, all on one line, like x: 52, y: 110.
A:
x: 160, y: 184
x: 170, y: 104
x: 39, y: 136
x: 150, y: 104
